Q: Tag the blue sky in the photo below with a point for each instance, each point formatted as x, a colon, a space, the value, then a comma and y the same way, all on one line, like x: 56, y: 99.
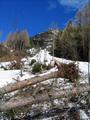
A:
x: 36, y: 15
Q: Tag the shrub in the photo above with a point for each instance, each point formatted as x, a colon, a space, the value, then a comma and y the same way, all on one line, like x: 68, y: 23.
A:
x: 48, y: 67
x: 44, y: 67
x: 37, y: 68
x: 32, y: 61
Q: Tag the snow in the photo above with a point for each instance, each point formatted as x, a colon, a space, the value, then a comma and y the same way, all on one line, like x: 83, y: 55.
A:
x: 26, y: 76
x: 24, y: 60
x: 83, y: 66
x: 56, y: 102
x: 49, y: 71
x: 7, y: 76
x: 83, y: 115
x: 5, y: 64
x: 42, y: 56
x: 31, y: 51
x: 83, y: 102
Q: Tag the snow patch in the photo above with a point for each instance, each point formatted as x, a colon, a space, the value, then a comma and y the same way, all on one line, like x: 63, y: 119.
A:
x: 83, y: 115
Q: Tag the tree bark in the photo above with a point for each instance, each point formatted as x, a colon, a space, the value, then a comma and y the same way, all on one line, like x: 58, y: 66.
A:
x: 63, y: 71
x: 22, y: 84
x: 28, y: 99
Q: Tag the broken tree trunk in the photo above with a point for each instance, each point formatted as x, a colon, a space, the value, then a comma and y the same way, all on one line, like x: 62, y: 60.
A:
x: 22, y: 84
x: 28, y: 99
x: 65, y: 70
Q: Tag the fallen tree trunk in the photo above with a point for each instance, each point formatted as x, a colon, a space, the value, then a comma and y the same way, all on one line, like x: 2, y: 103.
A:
x: 28, y: 99
x: 29, y: 82
x: 68, y: 71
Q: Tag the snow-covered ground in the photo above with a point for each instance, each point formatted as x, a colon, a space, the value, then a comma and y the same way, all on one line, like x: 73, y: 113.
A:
x: 9, y: 76
x: 83, y: 115
x: 6, y: 76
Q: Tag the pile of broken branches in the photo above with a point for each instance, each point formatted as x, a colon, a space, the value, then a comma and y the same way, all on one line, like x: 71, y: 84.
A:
x: 41, y: 93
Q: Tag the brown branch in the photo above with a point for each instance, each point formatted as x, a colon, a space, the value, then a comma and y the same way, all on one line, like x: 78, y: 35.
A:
x: 29, y: 82
x: 28, y: 99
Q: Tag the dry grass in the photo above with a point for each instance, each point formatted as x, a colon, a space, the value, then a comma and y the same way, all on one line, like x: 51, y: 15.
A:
x: 12, y: 56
